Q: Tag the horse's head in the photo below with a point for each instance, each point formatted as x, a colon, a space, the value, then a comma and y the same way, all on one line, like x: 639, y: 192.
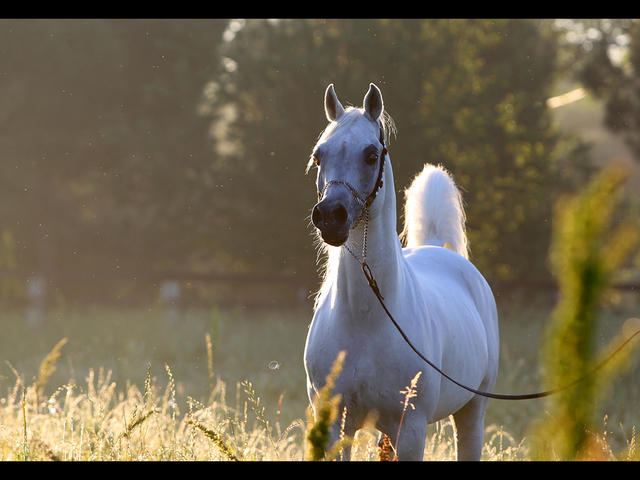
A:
x: 350, y: 155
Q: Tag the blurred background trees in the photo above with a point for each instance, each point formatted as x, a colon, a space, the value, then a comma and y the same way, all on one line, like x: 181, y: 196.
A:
x: 104, y: 157
x: 609, y: 66
x: 470, y: 94
x: 133, y: 150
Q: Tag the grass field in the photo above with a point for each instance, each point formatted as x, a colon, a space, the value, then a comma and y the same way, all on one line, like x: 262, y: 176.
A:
x: 135, y: 384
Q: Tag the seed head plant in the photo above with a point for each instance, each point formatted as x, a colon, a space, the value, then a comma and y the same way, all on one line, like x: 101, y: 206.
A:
x: 585, y: 253
x: 326, y: 413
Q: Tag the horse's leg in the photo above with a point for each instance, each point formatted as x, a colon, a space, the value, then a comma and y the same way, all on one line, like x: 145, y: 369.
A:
x: 469, y: 426
x: 410, y: 443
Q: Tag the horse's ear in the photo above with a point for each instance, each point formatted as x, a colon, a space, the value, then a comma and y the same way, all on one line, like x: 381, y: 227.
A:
x: 373, y: 104
x: 332, y: 106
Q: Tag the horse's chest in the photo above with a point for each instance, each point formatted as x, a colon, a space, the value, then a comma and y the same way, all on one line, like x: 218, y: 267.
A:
x: 371, y: 376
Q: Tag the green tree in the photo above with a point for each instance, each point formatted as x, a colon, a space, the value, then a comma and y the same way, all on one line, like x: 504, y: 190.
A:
x: 104, y: 156
x: 469, y: 94
x: 52, y: 77
x: 159, y: 179
x: 607, y: 63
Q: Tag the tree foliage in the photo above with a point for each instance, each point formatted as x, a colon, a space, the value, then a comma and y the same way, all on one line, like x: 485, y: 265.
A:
x: 104, y: 157
x: 469, y: 94
x: 135, y: 148
x: 609, y: 66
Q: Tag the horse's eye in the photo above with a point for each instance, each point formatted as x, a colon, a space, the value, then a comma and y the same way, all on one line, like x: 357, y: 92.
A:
x: 371, y: 158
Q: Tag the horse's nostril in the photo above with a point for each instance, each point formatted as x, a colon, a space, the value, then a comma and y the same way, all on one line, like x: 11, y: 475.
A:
x: 326, y: 215
x: 340, y: 214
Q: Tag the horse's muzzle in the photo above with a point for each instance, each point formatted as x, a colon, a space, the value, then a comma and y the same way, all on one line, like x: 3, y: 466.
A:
x: 331, y: 218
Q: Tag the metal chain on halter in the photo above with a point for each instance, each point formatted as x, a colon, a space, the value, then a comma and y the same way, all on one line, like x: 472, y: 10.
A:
x: 365, y: 215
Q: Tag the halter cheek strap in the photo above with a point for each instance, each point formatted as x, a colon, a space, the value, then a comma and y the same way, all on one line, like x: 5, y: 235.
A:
x: 372, y: 196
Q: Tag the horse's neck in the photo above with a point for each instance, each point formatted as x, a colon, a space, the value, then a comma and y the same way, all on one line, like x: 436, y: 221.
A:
x: 383, y: 255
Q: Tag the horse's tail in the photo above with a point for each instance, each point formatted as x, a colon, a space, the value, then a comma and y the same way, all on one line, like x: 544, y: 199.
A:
x: 433, y: 212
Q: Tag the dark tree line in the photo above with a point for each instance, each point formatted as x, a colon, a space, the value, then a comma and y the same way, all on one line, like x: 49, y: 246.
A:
x: 104, y: 157
x: 470, y: 94
x: 136, y: 148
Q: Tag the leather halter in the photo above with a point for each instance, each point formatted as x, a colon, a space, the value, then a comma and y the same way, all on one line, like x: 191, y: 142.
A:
x: 368, y: 200
x: 372, y: 196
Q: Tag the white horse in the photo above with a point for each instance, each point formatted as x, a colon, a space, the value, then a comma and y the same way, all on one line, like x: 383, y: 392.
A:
x: 440, y: 300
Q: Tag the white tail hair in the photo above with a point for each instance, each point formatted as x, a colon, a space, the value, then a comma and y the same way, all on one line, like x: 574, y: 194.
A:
x: 433, y: 212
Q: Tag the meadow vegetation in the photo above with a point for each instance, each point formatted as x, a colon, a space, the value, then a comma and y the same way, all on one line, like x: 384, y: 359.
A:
x: 230, y: 385
x: 131, y: 385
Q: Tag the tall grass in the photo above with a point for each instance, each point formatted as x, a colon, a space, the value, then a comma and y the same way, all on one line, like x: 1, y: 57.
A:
x: 94, y: 422
x: 214, y: 389
x: 96, y: 417
x: 586, y: 252
x: 324, y: 415
x: 98, y: 420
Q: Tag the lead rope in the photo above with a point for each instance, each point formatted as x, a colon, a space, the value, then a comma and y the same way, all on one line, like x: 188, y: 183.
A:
x: 371, y: 281
x: 366, y: 270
